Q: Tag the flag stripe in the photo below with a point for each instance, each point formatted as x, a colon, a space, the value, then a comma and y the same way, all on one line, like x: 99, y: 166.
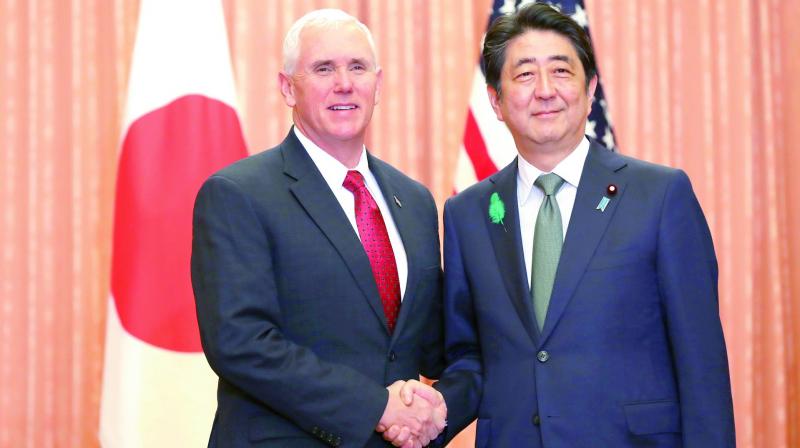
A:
x: 482, y: 164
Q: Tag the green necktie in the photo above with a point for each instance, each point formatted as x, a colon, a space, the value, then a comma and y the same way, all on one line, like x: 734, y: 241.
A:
x: 547, y: 241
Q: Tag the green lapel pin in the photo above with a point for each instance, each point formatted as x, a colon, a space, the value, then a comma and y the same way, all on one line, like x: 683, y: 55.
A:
x: 497, y: 210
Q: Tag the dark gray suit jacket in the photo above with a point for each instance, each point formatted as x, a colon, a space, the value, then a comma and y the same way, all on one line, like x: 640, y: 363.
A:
x: 290, y: 316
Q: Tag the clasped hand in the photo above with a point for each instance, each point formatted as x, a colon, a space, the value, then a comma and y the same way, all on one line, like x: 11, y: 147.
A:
x: 415, y: 414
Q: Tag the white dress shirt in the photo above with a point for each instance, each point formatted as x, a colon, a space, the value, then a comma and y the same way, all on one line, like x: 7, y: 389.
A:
x: 334, y: 173
x: 530, y: 197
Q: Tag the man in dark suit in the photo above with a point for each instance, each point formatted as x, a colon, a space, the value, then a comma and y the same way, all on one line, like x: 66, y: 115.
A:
x: 581, y: 305
x: 316, y: 267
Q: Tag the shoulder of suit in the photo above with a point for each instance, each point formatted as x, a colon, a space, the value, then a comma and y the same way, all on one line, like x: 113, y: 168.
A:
x: 652, y: 173
x: 256, y: 167
x: 483, y: 188
x: 628, y: 165
x: 649, y: 175
x: 478, y: 189
x: 397, y: 177
x: 645, y: 166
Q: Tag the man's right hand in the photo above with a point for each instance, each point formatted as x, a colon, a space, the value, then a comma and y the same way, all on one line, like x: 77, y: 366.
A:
x: 415, y: 414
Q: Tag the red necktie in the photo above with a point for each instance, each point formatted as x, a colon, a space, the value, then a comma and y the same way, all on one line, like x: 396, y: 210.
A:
x: 376, y: 243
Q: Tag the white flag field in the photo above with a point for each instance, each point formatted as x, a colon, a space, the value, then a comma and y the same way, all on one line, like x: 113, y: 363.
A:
x: 180, y: 126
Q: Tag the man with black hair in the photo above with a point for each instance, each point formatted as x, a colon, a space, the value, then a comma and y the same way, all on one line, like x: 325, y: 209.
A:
x: 581, y: 305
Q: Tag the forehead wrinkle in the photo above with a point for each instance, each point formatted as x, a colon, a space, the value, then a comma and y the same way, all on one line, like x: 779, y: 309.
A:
x: 334, y: 27
x: 561, y: 57
x: 319, y: 62
x: 533, y: 60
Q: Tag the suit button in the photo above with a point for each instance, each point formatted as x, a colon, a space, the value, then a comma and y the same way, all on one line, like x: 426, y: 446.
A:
x: 392, y: 356
x: 536, y: 419
x: 543, y: 356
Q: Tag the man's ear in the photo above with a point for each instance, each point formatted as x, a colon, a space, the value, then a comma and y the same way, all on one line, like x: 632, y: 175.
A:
x: 590, y: 92
x: 378, y: 84
x: 494, y: 98
x: 287, y: 88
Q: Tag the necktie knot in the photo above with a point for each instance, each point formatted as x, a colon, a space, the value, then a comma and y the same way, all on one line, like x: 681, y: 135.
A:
x: 353, y: 181
x: 549, y: 183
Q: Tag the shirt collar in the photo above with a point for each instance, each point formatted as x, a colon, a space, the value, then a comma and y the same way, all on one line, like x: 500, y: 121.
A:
x: 569, y: 169
x: 333, y: 171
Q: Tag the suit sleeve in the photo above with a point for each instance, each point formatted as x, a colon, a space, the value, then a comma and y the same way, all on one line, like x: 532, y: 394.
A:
x: 432, y: 363
x: 238, y: 311
x: 687, y: 273
x: 461, y: 382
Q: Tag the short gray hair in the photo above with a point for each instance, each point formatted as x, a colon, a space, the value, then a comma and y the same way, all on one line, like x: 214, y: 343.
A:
x: 323, y: 18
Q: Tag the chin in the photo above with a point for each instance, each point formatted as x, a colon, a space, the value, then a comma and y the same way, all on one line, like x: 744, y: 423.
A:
x: 543, y: 139
x: 348, y: 131
x: 346, y: 135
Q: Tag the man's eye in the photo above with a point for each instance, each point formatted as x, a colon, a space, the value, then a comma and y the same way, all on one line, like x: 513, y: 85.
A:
x: 524, y: 75
x: 358, y: 68
x: 324, y: 69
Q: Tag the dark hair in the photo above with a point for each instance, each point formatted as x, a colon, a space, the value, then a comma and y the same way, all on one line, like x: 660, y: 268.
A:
x: 534, y: 16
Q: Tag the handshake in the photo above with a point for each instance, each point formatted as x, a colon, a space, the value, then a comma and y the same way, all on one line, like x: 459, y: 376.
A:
x: 415, y: 414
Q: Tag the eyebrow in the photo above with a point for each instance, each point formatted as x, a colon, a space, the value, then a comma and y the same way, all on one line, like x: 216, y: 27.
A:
x: 331, y: 62
x: 557, y: 57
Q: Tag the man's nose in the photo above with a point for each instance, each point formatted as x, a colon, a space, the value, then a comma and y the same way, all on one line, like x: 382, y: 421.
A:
x: 344, y: 81
x: 544, y: 87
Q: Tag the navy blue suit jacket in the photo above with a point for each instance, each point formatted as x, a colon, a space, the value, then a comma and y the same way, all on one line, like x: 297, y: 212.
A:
x: 631, y: 353
x: 289, y: 313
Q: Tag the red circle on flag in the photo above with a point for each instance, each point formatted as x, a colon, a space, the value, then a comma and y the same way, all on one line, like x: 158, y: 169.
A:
x: 166, y: 156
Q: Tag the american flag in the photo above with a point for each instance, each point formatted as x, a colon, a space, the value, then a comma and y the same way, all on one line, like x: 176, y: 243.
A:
x: 487, y: 144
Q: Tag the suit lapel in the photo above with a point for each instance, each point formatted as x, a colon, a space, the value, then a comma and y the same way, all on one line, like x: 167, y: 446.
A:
x: 507, y: 244
x: 586, y: 227
x: 314, y: 195
x: 406, y: 226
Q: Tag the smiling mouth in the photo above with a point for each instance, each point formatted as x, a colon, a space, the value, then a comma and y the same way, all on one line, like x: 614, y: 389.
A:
x: 339, y: 107
x: 546, y: 113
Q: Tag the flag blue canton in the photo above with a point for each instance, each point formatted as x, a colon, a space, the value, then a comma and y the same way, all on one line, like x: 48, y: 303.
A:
x: 598, y: 126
